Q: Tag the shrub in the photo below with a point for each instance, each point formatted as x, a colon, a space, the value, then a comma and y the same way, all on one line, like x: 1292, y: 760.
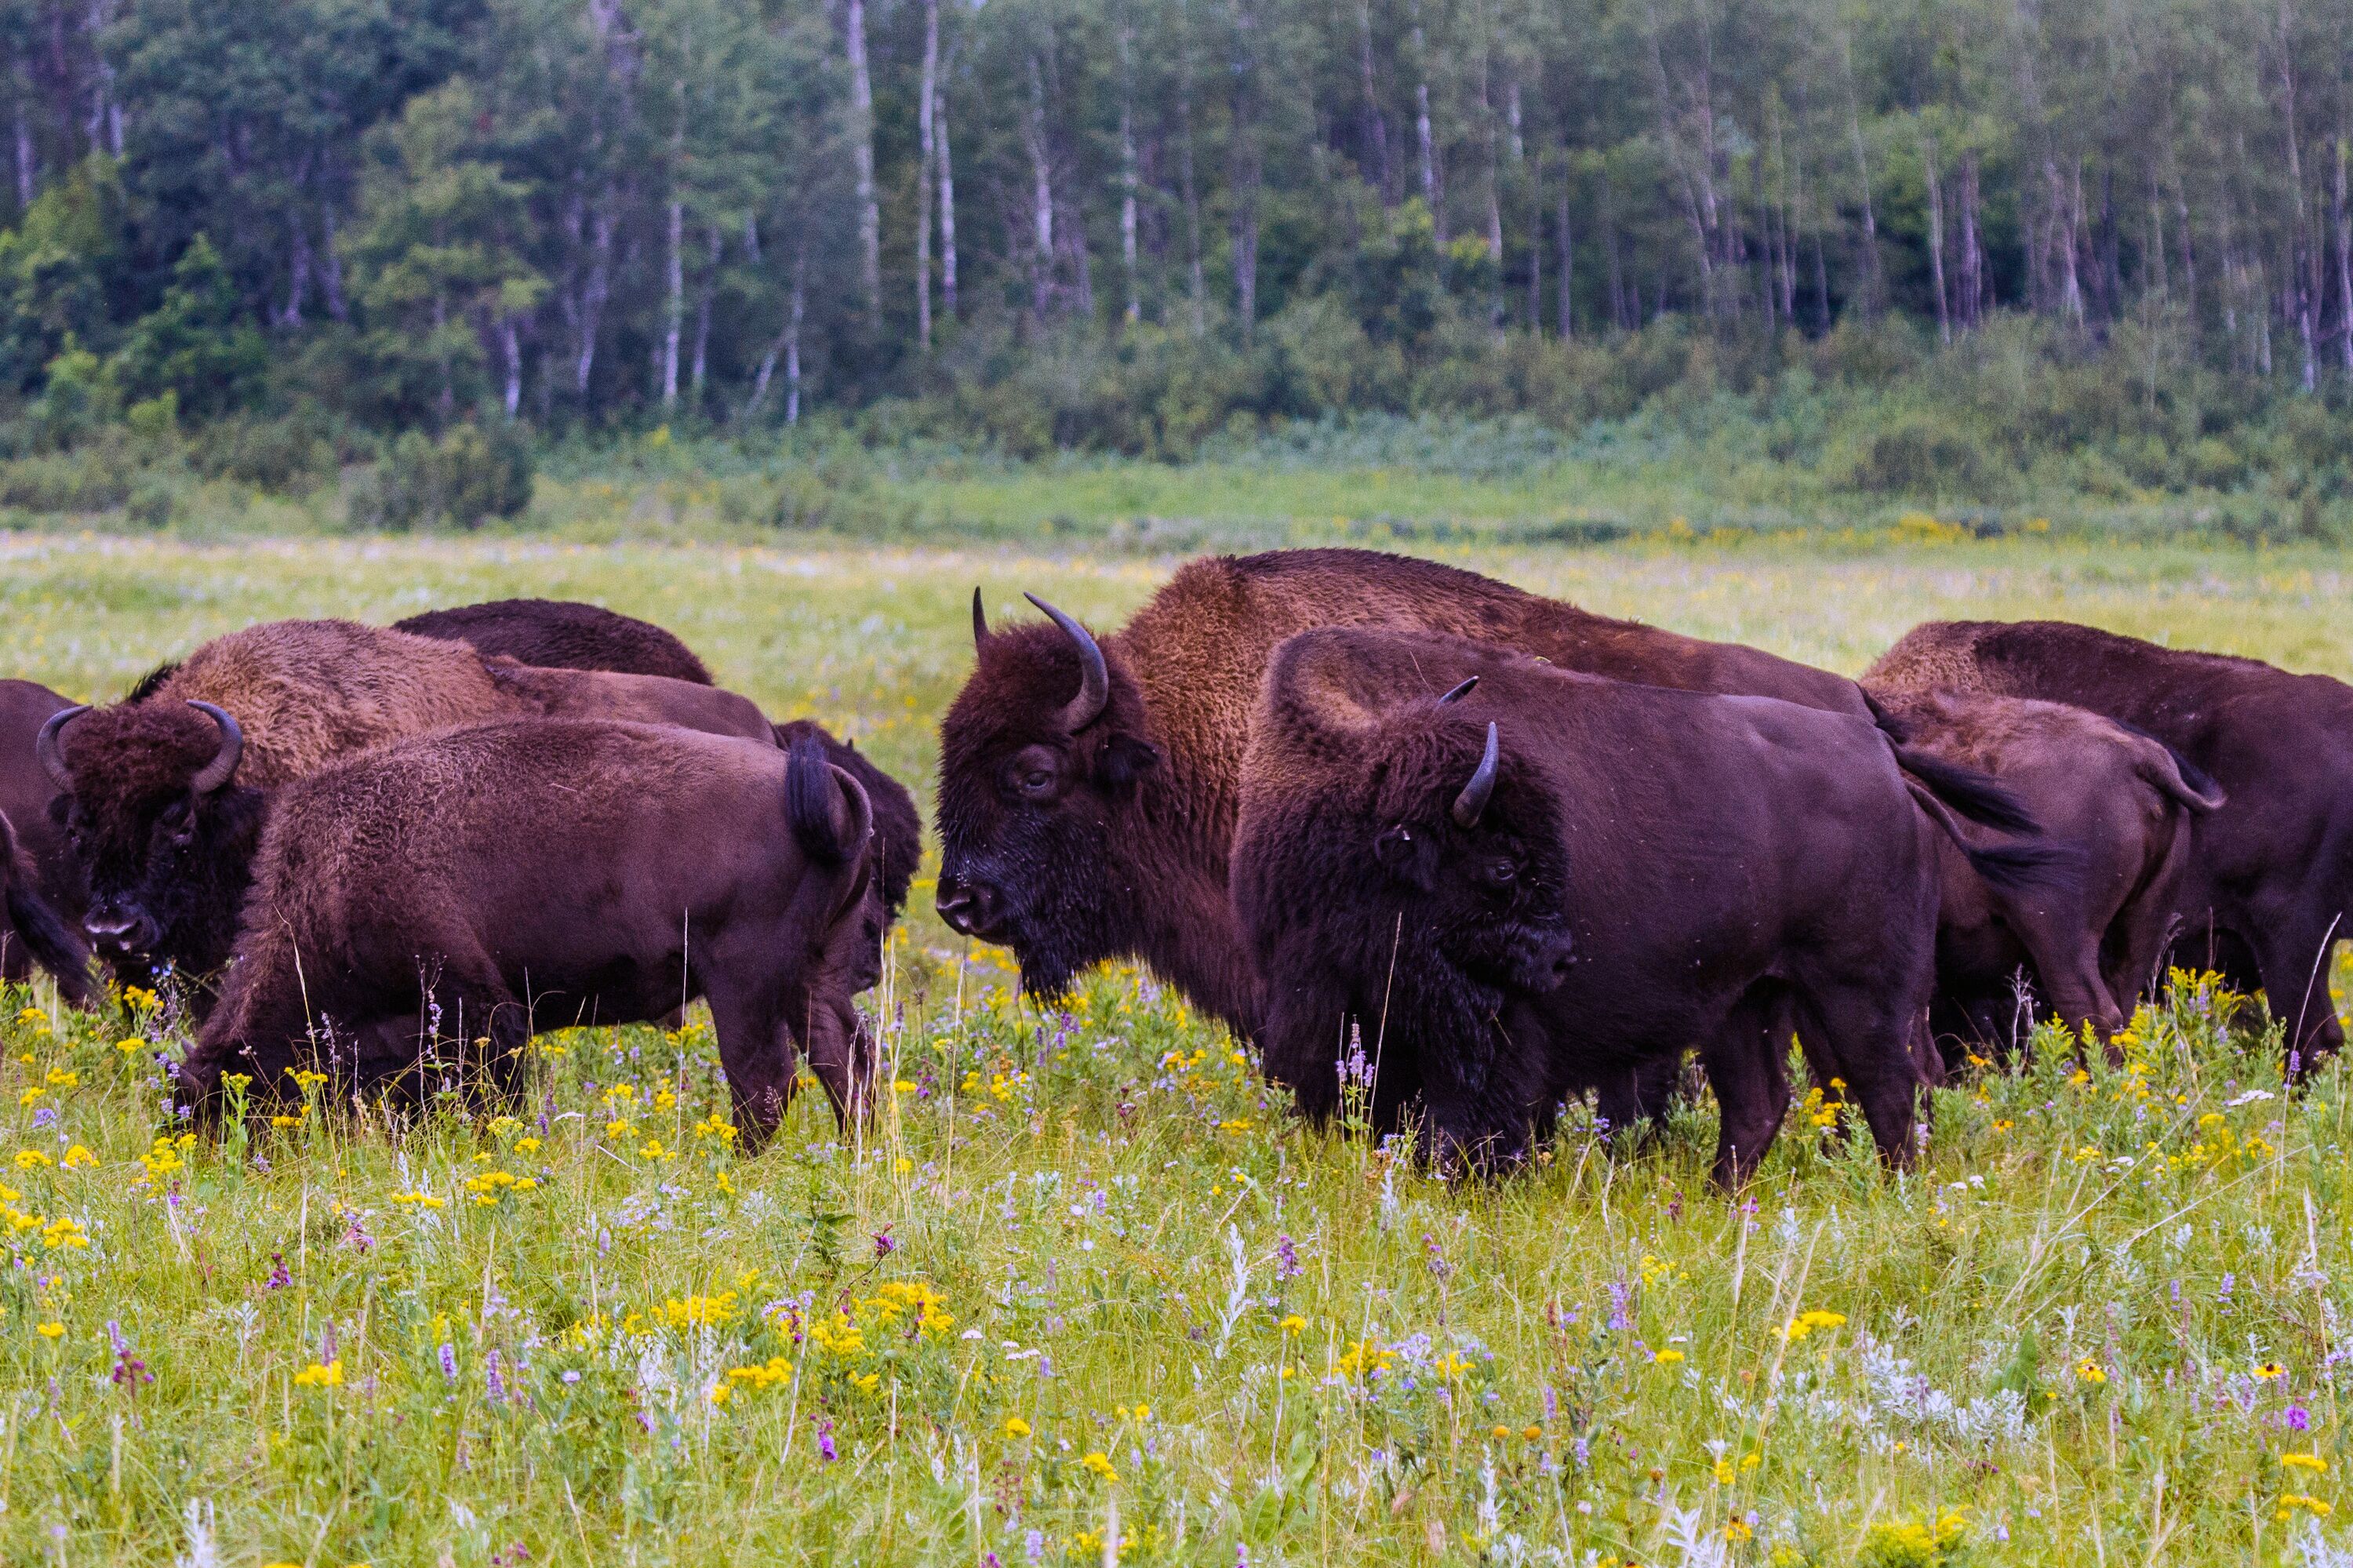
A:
x: 466, y: 477
x: 292, y: 455
x: 93, y: 478
x: 1919, y: 455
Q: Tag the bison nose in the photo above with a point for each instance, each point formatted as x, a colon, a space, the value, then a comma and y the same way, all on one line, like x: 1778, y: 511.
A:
x: 113, y: 931
x: 972, y: 908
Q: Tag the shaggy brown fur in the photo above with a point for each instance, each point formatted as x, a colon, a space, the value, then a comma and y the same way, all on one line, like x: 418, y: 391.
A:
x: 1653, y: 870
x: 1077, y: 848
x: 560, y: 634
x: 2120, y: 799
x: 32, y: 932
x: 167, y: 867
x: 2268, y: 886
x: 486, y: 882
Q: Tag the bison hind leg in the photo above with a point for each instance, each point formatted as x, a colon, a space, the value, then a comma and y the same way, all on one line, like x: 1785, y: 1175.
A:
x: 756, y: 1050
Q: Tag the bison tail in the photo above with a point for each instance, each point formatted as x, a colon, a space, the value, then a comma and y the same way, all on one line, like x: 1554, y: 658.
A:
x: 2189, y: 785
x: 1979, y: 796
x: 813, y: 786
x: 2038, y: 865
x: 52, y: 943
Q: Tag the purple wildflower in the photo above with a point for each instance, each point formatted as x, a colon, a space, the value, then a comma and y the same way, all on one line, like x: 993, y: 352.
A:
x: 825, y: 1448
x: 448, y: 1361
x: 279, y: 1278
x: 497, y: 1384
x: 1286, y: 1259
x: 45, y: 1116
x: 1619, y: 1293
x: 884, y: 1243
x: 2298, y: 1418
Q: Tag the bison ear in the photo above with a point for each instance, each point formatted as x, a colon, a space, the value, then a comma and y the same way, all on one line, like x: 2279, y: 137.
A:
x: 1124, y: 760
x: 1408, y: 856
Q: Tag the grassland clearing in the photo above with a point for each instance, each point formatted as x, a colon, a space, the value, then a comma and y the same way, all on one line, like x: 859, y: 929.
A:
x: 1082, y: 1289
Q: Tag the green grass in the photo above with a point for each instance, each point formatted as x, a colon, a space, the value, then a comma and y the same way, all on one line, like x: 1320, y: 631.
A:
x: 2057, y: 1341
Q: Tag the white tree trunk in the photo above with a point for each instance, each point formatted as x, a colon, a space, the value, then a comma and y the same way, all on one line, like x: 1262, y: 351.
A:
x: 861, y: 147
x: 926, y: 137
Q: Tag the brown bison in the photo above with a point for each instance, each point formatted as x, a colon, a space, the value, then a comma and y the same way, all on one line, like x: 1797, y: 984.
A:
x: 478, y: 884
x: 2269, y: 883
x: 562, y: 634
x: 1088, y: 790
x: 34, y: 933
x: 166, y: 791
x: 1540, y: 882
x: 559, y: 634
x: 44, y: 869
x: 2122, y: 802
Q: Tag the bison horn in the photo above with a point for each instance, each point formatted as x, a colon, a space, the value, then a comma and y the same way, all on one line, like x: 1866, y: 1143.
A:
x: 45, y: 746
x: 1469, y: 805
x: 1094, y: 675
x: 217, y: 772
x: 1459, y: 692
x: 979, y: 621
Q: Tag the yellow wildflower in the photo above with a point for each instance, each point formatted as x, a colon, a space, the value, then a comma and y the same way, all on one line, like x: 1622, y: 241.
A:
x: 330, y: 1375
x: 1016, y: 1427
x: 51, y: 1330
x: 1668, y: 1358
x: 1098, y: 1463
x: 2090, y: 1371
x: 2305, y: 1462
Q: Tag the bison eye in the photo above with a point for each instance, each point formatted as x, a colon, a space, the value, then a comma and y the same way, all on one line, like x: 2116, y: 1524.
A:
x: 1500, y: 874
x: 1036, y: 783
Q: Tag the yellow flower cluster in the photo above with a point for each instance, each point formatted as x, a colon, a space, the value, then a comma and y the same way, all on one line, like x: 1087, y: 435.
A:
x: 420, y: 1200
x: 163, y: 1159
x: 1362, y: 1359
x: 492, y: 1185
x: 56, y: 1234
x: 1916, y: 1540
x: 330, y: 1375
x: 1805, y: 1323
x: 2292, y: 1502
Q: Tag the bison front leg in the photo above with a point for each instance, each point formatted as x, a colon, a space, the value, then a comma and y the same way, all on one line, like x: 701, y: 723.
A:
x: 1747, y: 1068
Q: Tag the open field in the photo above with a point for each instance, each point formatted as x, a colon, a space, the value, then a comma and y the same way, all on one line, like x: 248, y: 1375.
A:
x: 1082, y: 1295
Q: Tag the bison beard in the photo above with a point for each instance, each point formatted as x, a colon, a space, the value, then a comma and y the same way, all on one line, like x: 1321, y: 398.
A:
x: 2268, y: 886
x: 1640, y: 870
x: 410, y: 900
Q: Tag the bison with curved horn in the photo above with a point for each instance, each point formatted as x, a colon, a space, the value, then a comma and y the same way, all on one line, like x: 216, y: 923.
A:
x: 504, y: 878
x: 1541, y: 882
x: 1089, y: 787
x: 163, y: 795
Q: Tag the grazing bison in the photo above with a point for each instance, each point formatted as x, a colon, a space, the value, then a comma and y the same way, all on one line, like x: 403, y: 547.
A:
x: 166, y: 791
x: 557, y: 633
x: 2269, y: 883
x: 26, y: 793
x: 1088, y: 790
x: 562, y: 634
x: 479, y: 884
x: 2120, y: 801
x: 1543, y: 881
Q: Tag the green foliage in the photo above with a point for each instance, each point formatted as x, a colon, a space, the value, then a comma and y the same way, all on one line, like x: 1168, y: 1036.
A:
x: 196, y: 343
x: 65, y: 274
x: 468, y: 475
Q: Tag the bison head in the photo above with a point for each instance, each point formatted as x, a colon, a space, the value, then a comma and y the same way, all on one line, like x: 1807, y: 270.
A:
x: 1041, y: 755
x: 164, y: 836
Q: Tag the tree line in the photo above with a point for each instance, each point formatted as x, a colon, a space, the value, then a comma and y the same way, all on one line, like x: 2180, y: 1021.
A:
x: 589, y: 212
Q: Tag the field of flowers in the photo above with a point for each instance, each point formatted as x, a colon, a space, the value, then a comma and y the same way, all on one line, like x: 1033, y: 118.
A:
x: 1082, y: 1294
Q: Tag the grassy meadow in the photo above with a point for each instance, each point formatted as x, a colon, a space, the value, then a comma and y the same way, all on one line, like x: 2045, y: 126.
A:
x: 1082, y: 1294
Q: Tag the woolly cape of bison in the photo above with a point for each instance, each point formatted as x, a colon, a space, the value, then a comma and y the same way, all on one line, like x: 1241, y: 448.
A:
x: 1448, y: 852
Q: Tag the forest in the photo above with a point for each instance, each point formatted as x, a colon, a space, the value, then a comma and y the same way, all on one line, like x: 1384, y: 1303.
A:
x: 1947, y: 247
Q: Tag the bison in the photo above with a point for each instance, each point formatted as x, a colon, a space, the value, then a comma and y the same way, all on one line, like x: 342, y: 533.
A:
x: 1542, y: 880
x: 562, y: 634
x: 1088, y: 789
x: 34, y: 933
x: 2121, y: 802
x: 164, y: 793
x: 2269, y: 880
x: 478, y: 884
x: 44, y: 868
x: 557, y: 633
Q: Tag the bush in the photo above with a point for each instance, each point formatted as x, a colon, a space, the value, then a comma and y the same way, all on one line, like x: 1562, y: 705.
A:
x: 289, y: 456
x: 93, y: 478
x: 1919, y: 455
x: 466, y: 477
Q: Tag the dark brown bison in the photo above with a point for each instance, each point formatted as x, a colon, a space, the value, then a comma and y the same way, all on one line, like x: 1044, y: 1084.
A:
x: 1540, y: 882
x: 562, y: 634
x: 478, y: 884
x: 559, y: 634
x: 2120, y: 801
x: 1088, y: 789
x: 26, y: 791
x: 2269, y: 883
x: 33, y: 932
x: 166, y: 791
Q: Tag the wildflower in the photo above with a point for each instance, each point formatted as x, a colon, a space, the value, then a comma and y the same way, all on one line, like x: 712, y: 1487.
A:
x: 2270, y: 1370
x: 1286, y: 1259
x: 316, y: 1375
x: 51, y: 1330
x: 2292, y: 1501
x: 1736, y: 1532
x: 78, y: 1156
x: 1294, y: 1324
x: 2090, y: 1372
x: 58, y: 1078
x: 884, y: 1246
x: 26, y: 1158
x: 279, y: 1278
x: 2305, y: 1462
x: 1532, y: 1433
x: 1805, y: 1323
x: 448, y: 1357
x: 1667, y: 1357
x: 130, y: 1045
x: 422, y: 1200
x: 825, y: 1448
x: 1015, y: 1427
x: 1098, y: 1463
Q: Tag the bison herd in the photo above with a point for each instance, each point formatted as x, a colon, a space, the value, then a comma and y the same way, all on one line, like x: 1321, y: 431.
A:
x: 1444, y: 850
